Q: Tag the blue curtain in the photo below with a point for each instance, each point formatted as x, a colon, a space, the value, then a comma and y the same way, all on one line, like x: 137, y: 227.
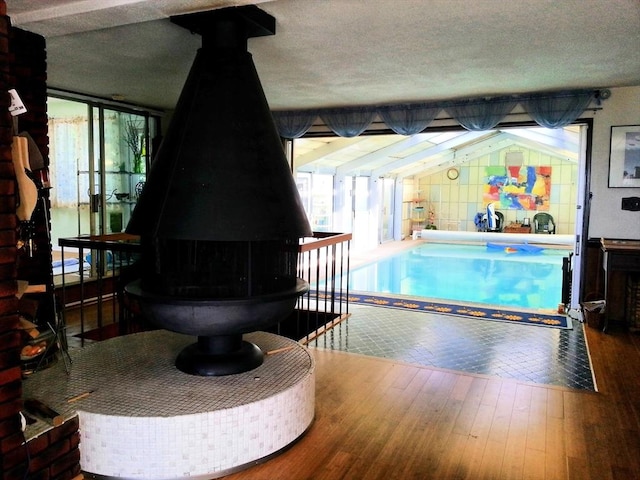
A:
x: 550, y: 110
x: 557, y: 110
x: 348, y: 122
x: 481, y: 114
x: 409, y: 119
x: 293, y: 124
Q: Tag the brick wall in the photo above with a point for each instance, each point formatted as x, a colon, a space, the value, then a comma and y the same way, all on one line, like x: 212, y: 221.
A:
x: 29, y: 70
x: 54, y: 454
x: 10, y: 373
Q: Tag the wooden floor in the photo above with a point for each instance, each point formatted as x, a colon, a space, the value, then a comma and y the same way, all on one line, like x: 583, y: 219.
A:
x: 379, y: 419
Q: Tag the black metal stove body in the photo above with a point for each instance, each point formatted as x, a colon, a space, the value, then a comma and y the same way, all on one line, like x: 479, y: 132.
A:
x: 220, y: 217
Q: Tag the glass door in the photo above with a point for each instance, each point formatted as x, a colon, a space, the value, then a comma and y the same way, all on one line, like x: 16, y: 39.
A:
x: 99, y: 159
x: 364, y: 229
x: 124, y: 155
x: 72, y: 167
x: 387, y: 186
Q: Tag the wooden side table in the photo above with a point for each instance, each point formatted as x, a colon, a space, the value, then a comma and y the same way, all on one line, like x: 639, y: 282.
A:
x: 517, y: 228
x: 618, y: 256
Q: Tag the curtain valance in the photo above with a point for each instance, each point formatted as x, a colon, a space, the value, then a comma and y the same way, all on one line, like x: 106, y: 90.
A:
x: 409, y: 119
x: 481, y: 114
x: 558, y: 110
x: 550, y: 110
x: 293, y: 124
x: 348, y: 122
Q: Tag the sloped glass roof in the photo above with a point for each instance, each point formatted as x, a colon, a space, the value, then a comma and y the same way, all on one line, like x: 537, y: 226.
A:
x: 396, y: 156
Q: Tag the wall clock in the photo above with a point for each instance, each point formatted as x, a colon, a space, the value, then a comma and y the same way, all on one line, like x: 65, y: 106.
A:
x: 452, y: 173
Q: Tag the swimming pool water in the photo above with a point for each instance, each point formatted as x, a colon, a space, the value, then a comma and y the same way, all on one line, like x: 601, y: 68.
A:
x: 467, y: 273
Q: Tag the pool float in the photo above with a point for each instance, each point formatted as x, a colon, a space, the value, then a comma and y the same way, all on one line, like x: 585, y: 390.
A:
x: 515, y: 247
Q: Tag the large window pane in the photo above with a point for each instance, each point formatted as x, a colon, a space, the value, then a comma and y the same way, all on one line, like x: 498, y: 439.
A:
x: 99, y: 158
x: 69, y: 151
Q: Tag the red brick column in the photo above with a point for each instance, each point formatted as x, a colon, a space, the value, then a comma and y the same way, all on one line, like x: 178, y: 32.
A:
x: 10, y: 373
x: 54, y: 454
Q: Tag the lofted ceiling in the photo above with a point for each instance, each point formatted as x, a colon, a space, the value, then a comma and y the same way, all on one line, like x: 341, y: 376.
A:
x: 329, y: 53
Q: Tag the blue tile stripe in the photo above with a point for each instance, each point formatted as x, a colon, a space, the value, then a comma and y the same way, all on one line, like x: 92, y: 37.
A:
x: 484, y: 313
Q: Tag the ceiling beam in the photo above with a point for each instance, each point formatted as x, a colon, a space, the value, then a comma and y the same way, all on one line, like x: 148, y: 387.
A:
x: 327, y: 149
x: 429, y: 152
x: 403, y: 144
x: 558, y: 138
x: 562, y: 154
x: 459, y: 157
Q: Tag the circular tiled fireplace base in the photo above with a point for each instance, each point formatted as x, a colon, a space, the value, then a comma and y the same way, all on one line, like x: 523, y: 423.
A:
x: 147, y: 420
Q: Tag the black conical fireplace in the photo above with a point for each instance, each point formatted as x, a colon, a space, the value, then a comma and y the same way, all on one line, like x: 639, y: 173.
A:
x: 220, y: 217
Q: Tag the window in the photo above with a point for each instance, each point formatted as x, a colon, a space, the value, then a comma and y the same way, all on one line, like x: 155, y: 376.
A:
x: 98, y: 162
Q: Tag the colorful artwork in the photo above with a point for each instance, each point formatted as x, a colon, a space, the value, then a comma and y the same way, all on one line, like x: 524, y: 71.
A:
x: 518, y: 187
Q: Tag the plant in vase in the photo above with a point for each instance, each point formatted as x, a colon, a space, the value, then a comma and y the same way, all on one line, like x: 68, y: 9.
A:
x: 431, y: 222
x: 136, y: 144
x: 137, y: 164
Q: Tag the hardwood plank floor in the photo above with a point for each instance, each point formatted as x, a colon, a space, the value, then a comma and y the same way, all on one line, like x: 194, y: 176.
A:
x: 379, y: 419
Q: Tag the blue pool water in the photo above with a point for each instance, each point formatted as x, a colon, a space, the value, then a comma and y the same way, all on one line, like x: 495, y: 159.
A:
x: 467, y: 273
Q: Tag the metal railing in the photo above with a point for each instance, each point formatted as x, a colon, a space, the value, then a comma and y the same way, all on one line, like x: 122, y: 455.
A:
x: 323, y: 261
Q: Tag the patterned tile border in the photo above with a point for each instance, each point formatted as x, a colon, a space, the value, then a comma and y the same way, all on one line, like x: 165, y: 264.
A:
x: 469, y: 311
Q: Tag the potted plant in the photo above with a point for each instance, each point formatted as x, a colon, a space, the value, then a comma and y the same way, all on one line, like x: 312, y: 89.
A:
x: 431, y: 222
x: 135, y: 142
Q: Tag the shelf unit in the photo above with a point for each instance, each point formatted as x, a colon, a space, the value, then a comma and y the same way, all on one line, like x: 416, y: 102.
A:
x: 418, y: 214
x: 122, y: 188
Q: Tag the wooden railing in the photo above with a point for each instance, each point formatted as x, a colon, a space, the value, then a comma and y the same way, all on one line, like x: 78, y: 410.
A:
x: 323, y: 261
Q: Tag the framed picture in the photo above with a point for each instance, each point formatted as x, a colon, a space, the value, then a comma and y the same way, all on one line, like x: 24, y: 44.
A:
x: 624, y: 157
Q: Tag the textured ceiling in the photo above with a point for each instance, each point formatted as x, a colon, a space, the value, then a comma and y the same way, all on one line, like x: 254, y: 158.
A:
x: 347, y: 52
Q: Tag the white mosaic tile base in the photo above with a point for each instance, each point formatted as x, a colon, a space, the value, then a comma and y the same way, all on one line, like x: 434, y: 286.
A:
x: 144, y: 419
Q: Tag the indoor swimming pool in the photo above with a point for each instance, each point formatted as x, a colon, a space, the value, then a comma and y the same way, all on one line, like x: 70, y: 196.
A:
x: 494, y: 275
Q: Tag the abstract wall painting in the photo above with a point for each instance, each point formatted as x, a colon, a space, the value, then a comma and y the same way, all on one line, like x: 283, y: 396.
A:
x: 518, y: 187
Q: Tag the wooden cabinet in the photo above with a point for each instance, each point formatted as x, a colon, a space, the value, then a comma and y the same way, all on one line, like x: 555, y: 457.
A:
x: 622, y: 256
